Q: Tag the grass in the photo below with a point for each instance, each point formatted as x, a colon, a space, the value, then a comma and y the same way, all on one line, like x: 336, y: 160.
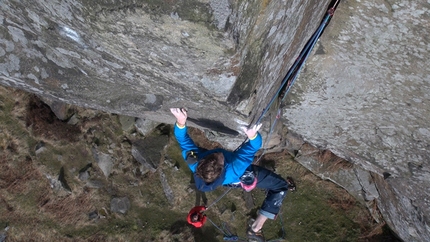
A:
x: 318, y: 211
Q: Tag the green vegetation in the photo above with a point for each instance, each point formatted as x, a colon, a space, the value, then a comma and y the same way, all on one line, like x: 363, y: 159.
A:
x: 318, y: 211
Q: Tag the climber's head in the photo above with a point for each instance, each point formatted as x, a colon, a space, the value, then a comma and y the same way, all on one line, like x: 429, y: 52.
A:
x: 210, y: 167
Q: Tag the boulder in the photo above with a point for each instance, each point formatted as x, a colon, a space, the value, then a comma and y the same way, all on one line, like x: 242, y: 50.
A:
x: 62, y: 110
x: 127, y: 122
x: 104, y: 161
x: 84, y: 173
x: 40, y: 147
x: 148, y: 151
x: 120, y: 205
x: 145, y: 126
x: 166, y: 188
x: 95, y: 183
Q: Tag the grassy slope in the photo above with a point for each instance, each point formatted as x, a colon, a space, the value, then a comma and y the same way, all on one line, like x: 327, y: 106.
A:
x: 318, y: 211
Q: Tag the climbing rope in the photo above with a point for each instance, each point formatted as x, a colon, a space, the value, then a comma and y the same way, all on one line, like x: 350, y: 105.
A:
x: 219, y: 198
x: 295, y: 69
x: 228, y: 235
x: 283, y: 90
x: 292, y: 74
x: 278, y: 115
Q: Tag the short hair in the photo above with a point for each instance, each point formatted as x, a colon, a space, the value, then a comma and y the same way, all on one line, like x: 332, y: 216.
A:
x: 210, y: 167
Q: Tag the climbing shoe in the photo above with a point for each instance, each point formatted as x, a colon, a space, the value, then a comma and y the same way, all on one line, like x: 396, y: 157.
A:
x: 255, y: 236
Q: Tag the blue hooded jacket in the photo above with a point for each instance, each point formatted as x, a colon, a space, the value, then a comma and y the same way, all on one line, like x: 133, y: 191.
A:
x: 235, y: 163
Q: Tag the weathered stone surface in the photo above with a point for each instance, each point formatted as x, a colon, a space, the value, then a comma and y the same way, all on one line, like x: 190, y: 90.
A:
x: 61, y: 110
x: 57, y: 185
x: 140, y: 58
x: 166, y: 188
x: 228, y: 142
x: 84, y: 175
x: 145, y: 126
x: 95, y: 184
x: 40, y: 147
x: 104, y: 161
x: 364, y: 94
x: 358, y: 181
x: 93, y: 215
x: 120, y: 205
x: 73, y: 120
x: 127, y: 122
x: 149, y: 151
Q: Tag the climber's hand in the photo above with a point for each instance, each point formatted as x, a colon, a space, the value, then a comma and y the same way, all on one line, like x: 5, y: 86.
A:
x: 252, y: 132
x: 180, y: 114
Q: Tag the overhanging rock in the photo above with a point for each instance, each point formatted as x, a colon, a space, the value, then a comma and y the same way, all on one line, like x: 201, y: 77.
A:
x: 366, y: 98
x: 365, y: 95
x: 139, y: 58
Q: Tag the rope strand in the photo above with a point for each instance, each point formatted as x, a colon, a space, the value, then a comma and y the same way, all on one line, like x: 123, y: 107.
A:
x: 286, y: 85
x: 219, y: 198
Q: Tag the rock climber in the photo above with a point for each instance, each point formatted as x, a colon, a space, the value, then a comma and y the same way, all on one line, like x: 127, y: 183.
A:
x: 219, y: 167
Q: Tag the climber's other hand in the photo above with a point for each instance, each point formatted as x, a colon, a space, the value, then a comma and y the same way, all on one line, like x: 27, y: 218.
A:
x: 180, y: 115
x: 252, y: 132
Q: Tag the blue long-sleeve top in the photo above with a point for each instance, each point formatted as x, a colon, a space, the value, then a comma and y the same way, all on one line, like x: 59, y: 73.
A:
x: 235, y: 163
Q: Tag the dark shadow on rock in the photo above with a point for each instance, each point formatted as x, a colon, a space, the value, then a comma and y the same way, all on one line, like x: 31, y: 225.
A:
x: 163, y: 129
x: 44, y: 122
x: 85, y: 168
x: 62, y: 179
x: 214, y: 125
x: 84, y: 173
x: 387, y: 235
